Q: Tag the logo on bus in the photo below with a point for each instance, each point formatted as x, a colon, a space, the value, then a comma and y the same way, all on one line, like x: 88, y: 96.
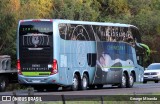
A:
x: 35, y: 40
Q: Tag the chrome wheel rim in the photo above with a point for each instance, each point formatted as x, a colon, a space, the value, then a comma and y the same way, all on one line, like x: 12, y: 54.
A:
x: 123, y: 81
x: 84, y: 82
x: 131, y: 80
x: 75, y: 83
x: 3, y: 84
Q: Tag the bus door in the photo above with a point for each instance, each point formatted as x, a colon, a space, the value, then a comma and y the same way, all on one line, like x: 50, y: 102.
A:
x: 100, y: 74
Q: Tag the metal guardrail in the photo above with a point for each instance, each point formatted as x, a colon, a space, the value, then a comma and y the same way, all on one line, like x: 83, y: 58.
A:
x: 5, y: 62
x: 100, y: 99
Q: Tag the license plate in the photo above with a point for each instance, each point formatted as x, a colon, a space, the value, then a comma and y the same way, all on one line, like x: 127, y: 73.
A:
x: 150, y: 77
x: 36, y: 81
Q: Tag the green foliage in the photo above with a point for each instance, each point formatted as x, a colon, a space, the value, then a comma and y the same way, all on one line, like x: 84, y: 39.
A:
x: 36, y: 9
x: 145, y: 16
x: 114, y: 11
x: 76, y: 9
x: 8, y: 17
x: 118, y: 7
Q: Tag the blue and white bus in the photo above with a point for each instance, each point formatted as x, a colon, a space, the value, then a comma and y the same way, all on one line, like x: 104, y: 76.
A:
x: 78, y: 54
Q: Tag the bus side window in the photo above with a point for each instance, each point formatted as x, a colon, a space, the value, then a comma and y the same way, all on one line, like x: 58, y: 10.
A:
x: 91, y: 59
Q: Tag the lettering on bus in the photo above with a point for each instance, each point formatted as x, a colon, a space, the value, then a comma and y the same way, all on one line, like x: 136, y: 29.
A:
x: 35, y: 29
x: 115, y: 47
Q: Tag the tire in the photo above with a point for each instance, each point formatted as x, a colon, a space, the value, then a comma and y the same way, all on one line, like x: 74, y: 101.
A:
x: 75, y: 83
x: 156, y: 81
x: 84, y: 82
x: 3, y: 83
x: 99, y: 86
x: 144, y: 82
x: 130, y: 81
x: 123, y: 82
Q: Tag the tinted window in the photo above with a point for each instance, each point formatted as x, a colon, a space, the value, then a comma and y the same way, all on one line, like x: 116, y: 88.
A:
x: 76, y: 32
x: 155, y: 67
x: 38, y: 33
x: 113, y: 33
x: 36, y: 42
x: 96, y: 32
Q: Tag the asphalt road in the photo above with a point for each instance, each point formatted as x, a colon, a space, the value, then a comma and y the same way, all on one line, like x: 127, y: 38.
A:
x: 138, y: 88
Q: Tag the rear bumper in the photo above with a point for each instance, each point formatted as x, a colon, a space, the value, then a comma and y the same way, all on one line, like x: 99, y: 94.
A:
x: 52, y: 79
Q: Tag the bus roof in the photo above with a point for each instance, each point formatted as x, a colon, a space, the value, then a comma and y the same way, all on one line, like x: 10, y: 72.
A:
x: 82, y: 22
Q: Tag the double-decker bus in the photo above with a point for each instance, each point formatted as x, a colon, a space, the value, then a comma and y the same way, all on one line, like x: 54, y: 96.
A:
x: 78, y: 54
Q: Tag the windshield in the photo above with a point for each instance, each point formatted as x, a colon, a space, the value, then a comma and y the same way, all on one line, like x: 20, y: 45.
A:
x: 155, y: 67
x: 35, y: 33
x: 36, y: 42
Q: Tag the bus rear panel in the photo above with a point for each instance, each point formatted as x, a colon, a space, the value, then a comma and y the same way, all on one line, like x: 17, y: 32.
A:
x: 35, y: 62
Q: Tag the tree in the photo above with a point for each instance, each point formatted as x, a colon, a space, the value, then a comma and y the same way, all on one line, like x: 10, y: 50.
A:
x: 114, y: 11
x: 31, y: 9
x: 8, y: 18
x: 145, y: 15
x: 87, y: 10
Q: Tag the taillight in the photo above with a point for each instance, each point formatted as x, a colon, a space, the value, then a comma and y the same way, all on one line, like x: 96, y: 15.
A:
x: 54, y: 67
x: 21, y: 21
x: 19, y: 67
x: 51, y: 20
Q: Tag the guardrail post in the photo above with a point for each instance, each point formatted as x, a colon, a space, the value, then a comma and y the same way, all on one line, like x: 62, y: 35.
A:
x: 63, y: 99
x: 14, y: 94
x: 135, y: 102
x: 101, y: 99
x: 31, y: 94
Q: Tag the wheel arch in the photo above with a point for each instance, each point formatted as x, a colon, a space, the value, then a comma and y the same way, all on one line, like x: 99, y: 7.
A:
x: 78, y: 74
x: 134, y: 75
x: 85, y: 72
x: 126, y: 73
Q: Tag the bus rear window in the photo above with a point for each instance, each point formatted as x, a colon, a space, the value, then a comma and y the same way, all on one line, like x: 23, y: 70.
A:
x: 35, y: 33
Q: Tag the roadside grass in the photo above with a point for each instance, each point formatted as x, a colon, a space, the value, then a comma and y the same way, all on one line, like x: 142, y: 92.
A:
x: 106, y: 100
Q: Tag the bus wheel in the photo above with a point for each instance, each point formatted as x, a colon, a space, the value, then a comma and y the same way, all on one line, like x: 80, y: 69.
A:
x: 3, y: 83
x: 123, y: 82
x: 84, y: 82
x: 130, y: 81
x: 74, y: 86
x: 156, y: 81
x: 99, y: 86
